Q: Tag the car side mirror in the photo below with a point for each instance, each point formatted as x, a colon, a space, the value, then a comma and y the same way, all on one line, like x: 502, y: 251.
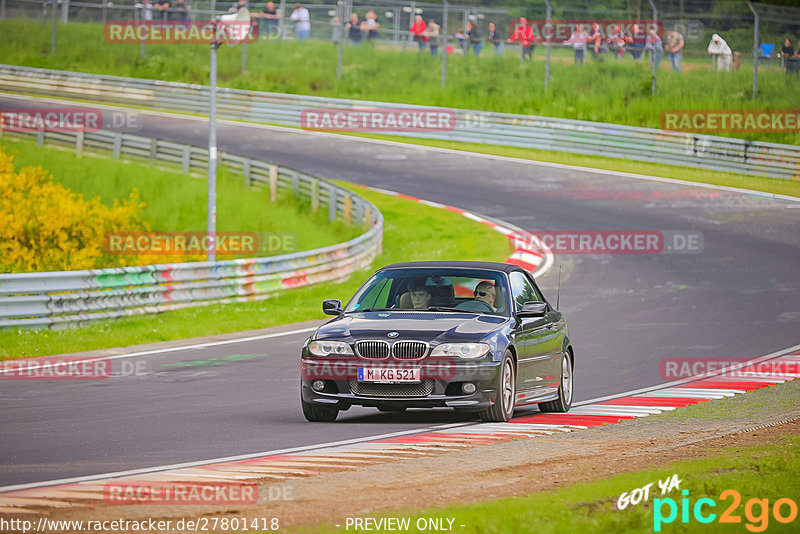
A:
x: 533, y: 309
x: 332, y: 307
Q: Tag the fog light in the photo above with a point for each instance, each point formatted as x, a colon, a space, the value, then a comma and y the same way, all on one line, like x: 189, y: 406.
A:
x: 318, y: 385
x: 468, y: 388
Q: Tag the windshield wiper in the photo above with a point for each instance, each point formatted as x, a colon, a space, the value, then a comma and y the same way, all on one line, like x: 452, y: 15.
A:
x: 444, y: 308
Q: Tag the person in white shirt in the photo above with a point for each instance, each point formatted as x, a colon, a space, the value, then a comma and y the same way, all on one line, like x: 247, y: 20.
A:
x: 302, y: 22
x: 721, y: 52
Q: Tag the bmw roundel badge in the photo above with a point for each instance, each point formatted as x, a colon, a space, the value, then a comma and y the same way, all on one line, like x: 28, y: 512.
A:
x: 393, y: 334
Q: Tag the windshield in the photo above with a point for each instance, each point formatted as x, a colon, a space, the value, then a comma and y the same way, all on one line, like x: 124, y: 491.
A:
x: 441, y: 289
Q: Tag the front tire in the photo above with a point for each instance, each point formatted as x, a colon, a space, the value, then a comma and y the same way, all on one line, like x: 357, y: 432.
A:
x: 503, y: 408
x: 319, y: 414
x: 564, y: 401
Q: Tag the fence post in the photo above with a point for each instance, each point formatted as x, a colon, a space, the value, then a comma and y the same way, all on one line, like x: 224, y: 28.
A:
x: 282, y: 21
x: 246, y: 172
x: 653, y: 50
x: 40, y: 137
x: 2, y: 9
x: 331, y: 204
x: 117, y: 148
x: 186, y: 159
x: 153, y: 150
x: 54, y: 37
x: 65, y: 11
x: 340, y: 44
x: 547, y: 48
x: 79, y: 135
x: 444, y: 44
x: 273, y: 183
x: 755, y: 50
x: 348, y: 208
x: 314, y: 195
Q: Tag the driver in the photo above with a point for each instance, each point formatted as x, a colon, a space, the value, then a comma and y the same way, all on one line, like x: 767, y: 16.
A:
x: 485, y: 292
x: 420, y: 296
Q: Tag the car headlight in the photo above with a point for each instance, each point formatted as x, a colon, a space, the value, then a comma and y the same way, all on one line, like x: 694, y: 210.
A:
x: 461, y: 350
x: 329, y: 348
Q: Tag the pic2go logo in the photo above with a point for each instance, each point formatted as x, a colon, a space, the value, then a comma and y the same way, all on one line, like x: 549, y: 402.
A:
x: 756, y: 511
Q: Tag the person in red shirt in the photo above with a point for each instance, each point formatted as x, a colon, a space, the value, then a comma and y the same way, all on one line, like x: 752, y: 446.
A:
x: 418, y: 30
x: 524, y: 34
x: 596, y: 41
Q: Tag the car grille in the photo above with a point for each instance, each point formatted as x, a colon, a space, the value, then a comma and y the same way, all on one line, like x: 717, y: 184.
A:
x: 373, y: 349
x: 409, y: 350
x: 420, y: 389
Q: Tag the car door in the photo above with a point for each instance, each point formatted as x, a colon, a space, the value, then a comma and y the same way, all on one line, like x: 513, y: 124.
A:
x: 532, y: 338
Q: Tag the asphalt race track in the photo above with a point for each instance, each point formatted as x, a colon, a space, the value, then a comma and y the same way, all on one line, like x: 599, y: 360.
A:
x: 739, y: 297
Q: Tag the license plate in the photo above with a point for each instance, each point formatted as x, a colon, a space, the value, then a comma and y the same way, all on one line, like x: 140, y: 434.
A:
x: 389, y: 375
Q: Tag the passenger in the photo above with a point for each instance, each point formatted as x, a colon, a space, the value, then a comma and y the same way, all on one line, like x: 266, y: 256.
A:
x: 420, y: 295
x: 486, y: 292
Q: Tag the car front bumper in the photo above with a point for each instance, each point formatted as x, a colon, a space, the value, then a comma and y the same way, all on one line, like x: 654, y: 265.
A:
x: 442, y: 388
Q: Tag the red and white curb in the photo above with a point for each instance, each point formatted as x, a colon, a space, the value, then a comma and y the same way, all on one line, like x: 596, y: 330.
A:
x: 278, y: 468
x: 528, y: 250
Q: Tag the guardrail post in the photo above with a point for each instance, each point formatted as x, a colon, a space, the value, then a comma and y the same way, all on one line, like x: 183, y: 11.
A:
x: 3, y: 9
x: 348, y: 208
x: 246, y: 173
x: 39, y: 137
x: 117, y: 147
x: 186, y: 159
x: 367, y: 217
x: 295, y: 185
x: 273, y: 183
x: 79, y: 142
x: 153, y: 149
x: 332, y: 204
x: 314, y: 195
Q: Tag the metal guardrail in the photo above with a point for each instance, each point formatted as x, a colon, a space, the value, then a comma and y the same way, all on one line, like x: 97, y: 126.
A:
x: 505, y: 129
x: 53, y: 299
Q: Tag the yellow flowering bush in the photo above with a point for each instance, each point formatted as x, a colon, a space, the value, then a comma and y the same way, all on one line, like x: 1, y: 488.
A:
x: 46, y: 227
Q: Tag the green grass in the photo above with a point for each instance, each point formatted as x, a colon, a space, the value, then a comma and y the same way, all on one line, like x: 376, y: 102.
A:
x: 757, y: 183
x: 176, y: 202
x: 412, y: 231
x: 610, y: 91
x: 764, y: 472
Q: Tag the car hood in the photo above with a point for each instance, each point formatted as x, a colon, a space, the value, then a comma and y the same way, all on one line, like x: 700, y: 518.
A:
x: 422, y: 326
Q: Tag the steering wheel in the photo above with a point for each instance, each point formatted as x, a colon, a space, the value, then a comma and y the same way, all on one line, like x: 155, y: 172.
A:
x: 475, y: 306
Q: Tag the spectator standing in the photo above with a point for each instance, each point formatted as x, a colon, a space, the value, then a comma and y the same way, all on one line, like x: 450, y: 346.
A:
x: 578, y: 40
x: 370, y: 26
x: 475, y: 38
x: 524, y: 34
x: 617, y: 41
x: 268, y: 20
x: 162, y: 9
x: 461, y: 39
x: 354, y: 29
x: 596, y: 41
x: 721, y: 53
x: 418, y: 31
x: 638, y: 42
x: 180, y: 11
x: 302, y: 22
x: 674, y: 48
x: 237, y: 5
x: 494, y: 37
x: 434, y: 37
x: 791, y: 62
x: 656, y: 48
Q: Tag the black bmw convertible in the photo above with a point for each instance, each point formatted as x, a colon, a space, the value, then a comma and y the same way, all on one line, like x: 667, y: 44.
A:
x: 473, y: 336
